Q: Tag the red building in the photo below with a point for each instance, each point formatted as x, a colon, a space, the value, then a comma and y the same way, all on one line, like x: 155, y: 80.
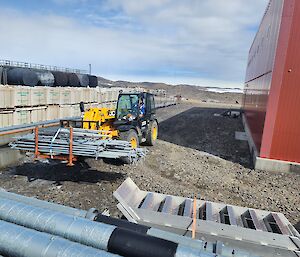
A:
x: 272, y: 88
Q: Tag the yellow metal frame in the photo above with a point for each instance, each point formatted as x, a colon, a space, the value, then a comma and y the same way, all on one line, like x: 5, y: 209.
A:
x: 105, y: 117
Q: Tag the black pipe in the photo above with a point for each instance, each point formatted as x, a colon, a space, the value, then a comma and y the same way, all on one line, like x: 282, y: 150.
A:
x: 129, y: 243
x: 131, y: 240
x: 122, y: 224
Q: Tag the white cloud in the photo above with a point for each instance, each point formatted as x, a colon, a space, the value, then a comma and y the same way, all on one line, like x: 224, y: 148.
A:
x: 188, y: 40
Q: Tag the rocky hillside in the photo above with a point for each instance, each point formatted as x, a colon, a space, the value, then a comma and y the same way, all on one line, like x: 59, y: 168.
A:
x: 196, y: 93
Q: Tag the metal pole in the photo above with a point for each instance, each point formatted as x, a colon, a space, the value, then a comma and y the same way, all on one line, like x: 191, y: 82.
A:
x: 194, y: 218
x: 70, y: 163
x: 17, y: 241
x: 36, y: 135
x: 90, y: 214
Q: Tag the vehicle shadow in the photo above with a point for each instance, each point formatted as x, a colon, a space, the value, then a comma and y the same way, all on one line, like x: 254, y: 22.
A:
x: 204, y: 129
x: 57, y: 172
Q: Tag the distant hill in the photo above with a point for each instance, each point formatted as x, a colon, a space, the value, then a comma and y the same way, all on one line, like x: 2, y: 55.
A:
x: 212, y: 94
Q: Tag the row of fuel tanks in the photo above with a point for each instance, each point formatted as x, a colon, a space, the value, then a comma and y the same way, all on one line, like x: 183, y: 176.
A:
x: 33, y: 77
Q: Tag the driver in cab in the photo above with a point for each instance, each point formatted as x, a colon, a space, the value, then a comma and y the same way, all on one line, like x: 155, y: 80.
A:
x: 142, y: 109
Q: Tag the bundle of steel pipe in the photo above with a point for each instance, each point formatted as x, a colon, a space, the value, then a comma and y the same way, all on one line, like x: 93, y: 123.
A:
x: 84, y: 143
x: 18, y: 241
x: 100, y: 236
x: 89, y: 214
x: 92, y: 214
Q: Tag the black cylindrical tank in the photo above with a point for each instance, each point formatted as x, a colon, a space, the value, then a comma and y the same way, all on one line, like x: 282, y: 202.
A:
x: 46, y: 78
x: 60, y: 78
x: 22, y: 76
x: 93, y: 81
x: 83, y: 79
x: 1, y: 75
x: 73, y: 80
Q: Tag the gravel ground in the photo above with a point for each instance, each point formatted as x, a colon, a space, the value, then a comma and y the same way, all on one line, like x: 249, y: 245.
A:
x: 196, y: 153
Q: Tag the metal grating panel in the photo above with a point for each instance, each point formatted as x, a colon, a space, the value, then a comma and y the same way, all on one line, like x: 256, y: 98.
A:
x: 235, y: 224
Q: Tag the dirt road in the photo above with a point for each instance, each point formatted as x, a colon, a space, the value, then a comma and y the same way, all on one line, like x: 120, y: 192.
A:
x: 196, y: 153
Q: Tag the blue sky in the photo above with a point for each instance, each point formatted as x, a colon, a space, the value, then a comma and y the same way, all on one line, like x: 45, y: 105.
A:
x: 201, y: 42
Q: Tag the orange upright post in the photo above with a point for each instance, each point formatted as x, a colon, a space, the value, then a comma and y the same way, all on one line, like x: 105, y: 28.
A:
x: 70, y: 163
x: 194, y: 218
x: 36, y: 137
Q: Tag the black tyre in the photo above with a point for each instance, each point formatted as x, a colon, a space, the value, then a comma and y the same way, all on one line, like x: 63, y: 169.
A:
x: 152, y: 133
x: 130, y: 136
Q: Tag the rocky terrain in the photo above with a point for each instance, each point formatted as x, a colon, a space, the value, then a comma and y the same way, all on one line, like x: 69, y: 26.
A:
x: 196, y: 93
x: 197, y: 153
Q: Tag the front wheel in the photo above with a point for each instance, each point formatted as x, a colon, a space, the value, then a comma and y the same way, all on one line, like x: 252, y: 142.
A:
x: 152, y: 133
x: 130, y: 136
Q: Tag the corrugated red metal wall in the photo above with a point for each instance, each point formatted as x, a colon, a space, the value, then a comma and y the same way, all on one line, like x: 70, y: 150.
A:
x: 260, y: 69
x: 272, y: 88
x: 281, y: 137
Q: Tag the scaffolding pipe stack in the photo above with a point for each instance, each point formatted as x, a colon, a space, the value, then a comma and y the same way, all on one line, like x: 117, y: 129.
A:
x: 86, y: 143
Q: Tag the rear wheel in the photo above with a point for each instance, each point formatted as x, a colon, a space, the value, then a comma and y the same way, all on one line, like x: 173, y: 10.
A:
x: 152, y: 133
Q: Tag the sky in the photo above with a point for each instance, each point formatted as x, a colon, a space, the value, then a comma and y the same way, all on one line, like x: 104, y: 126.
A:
x: 199, y: 42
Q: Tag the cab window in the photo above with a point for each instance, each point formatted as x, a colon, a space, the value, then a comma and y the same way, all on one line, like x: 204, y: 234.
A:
x: 127, y: 104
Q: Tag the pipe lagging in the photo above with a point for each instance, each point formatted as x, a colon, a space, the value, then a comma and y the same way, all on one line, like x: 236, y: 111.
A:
x: 142, y: 229
x: 211, y: 247
x: 98, y: 235
x: 18, y: 241
x: 70, y: 227
x: 90, y: 214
